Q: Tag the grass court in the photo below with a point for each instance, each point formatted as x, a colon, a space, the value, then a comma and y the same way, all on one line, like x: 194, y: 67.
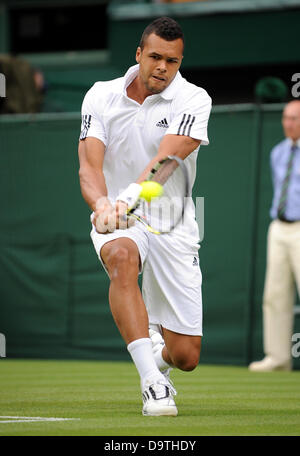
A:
x: 103, y: 399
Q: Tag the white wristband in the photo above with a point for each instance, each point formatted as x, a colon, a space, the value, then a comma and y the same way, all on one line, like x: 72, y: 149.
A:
x: 131, y: 194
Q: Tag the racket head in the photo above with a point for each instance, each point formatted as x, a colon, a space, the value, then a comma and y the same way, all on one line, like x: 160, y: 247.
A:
x: 165, y: 213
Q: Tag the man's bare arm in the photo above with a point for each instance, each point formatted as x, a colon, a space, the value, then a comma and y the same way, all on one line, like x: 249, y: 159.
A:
x: 93, y: 187
x: 92, y: 181
x: 178, y: 145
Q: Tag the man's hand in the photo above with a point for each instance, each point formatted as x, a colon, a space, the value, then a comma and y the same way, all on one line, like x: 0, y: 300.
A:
x: 102, y: 214
x: 121, y: 211
x: 107, y: 218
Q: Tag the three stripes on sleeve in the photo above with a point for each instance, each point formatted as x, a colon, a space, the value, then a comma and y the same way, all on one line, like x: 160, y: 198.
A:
x: 186, y: 125
x: 86, y: 123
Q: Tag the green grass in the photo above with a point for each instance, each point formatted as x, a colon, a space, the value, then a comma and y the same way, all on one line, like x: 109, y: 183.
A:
x: 105, y: 396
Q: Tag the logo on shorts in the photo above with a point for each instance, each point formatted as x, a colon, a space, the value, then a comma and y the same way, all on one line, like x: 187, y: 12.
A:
x: 163, y: 123
x: 195, y: 261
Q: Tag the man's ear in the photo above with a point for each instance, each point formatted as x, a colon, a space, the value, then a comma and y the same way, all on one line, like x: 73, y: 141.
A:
x: 138, y: 55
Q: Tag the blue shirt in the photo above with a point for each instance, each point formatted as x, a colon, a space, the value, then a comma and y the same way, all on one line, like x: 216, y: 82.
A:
x: 279, y: 159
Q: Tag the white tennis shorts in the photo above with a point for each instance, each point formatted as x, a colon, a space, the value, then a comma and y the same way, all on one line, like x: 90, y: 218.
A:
x: 172, y: 279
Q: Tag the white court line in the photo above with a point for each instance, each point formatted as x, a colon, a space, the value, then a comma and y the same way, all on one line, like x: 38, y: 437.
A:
x: 31, y: 419
x: 27, y: 421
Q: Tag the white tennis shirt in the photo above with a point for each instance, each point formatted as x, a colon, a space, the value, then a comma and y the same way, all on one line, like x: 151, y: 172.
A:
x: 132, y: 132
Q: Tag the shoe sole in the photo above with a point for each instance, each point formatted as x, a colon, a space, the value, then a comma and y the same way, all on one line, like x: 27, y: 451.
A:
x: 171, y: 412
x: 277, y: 369
x: 270, y: 369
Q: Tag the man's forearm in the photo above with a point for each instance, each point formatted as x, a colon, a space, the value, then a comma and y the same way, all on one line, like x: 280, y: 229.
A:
x: 93, y: 188
x: 181, y: 146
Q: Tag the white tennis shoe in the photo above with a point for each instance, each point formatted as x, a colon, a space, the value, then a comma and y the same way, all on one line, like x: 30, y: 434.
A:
x: 158, y: 399
x: 268, y: 364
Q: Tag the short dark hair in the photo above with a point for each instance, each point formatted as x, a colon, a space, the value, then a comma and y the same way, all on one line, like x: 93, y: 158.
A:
x: 165, y: 28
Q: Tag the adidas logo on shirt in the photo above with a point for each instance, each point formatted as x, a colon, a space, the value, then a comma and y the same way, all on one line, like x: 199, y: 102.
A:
x: 195, y: 261
x: 163, y: 123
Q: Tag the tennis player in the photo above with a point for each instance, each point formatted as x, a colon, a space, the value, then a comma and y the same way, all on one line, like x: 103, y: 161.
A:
x: 127, y: 124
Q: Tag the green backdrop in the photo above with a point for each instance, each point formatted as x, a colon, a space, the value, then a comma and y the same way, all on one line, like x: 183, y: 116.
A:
x: 53, y: 291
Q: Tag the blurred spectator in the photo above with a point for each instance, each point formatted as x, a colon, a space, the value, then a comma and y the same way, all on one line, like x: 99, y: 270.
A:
x: 283, y: 252
x: 25, y: 86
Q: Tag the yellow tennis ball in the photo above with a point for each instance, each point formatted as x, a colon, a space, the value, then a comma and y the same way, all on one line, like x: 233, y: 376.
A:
x: 151, y: 189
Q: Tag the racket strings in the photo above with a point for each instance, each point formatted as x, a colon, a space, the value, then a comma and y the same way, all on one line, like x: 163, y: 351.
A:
x: 163, y: 214
x: 162, y: 172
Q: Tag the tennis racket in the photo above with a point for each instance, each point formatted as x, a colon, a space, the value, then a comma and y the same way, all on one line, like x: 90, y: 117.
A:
x: 161, y: 215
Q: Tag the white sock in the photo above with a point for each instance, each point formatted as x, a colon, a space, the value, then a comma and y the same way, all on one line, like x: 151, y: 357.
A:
x: 160, y: 362
x: 142, y: 356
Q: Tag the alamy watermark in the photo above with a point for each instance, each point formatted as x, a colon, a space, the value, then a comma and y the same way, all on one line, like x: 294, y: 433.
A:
x: 2, y: 346
x: 162, y: 215
x: 296, y: 87
x: 2, y: 86
x: 296, y: 345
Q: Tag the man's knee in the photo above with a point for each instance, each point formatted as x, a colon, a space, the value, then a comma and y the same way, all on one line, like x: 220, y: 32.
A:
x: 120, y: 260
x: 117, y: 256
x: 183, y: 350
x: 186, y: 360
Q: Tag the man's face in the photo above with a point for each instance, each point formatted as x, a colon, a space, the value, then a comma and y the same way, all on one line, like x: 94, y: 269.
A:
x: 291, y: 120
x: 159, y: 62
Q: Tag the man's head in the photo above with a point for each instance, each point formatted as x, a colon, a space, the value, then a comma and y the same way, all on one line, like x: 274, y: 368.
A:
x: 291, y: 120
x: 160, y: 54
x: 164, y: 27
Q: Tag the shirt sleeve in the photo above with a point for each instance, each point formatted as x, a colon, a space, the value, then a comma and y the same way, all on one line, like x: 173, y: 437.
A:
x: 91, y: 120
x: 272, y: 166
x: 192, y: 114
